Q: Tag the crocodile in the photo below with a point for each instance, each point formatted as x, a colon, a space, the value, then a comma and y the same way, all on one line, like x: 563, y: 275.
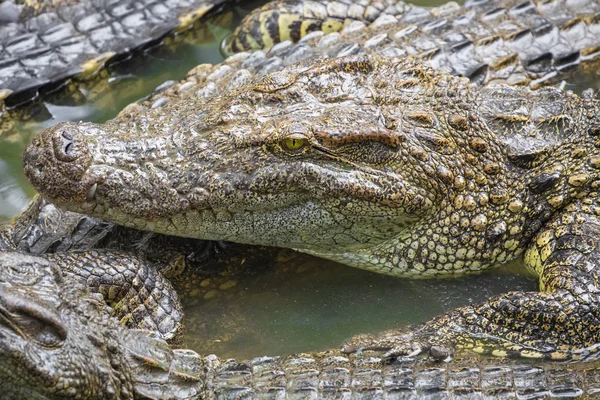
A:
x: 536, y: 38
x: 65, y: 52
x: 507, y: 52
x: 140, y: 295
x: 58, y: 341
x: 44, y: 43
x: 477, y: 39
x: 437, y: 178
x: 226, y: 288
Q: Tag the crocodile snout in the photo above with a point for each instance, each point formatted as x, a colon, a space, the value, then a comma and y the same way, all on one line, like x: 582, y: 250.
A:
x: 57, y: 161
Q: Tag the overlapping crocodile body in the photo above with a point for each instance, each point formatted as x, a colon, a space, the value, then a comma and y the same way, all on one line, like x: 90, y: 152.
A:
x: 52, y: 326
x: 128, y: 274
x: 365, y: 376
x: 493, y: 53
x: 44, y: 46
x: 484, y: 40
x: 58, y: 342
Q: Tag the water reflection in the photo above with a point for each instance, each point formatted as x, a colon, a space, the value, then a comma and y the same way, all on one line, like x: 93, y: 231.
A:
x: 12, y: 197
x: 305, y: 304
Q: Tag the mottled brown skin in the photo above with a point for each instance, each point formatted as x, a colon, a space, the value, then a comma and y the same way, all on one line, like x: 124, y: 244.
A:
x: 380, y: 163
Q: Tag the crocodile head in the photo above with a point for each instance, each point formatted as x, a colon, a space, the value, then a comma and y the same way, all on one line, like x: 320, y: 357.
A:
x: 305, y: 158
x: 339, y: 156
x: 44, y: 353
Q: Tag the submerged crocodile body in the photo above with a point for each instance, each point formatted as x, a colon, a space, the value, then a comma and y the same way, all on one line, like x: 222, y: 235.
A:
x: 64, y: 345
x: 377, y: 162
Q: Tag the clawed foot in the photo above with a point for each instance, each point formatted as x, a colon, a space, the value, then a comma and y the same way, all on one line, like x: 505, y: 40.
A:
x: 397, y: 344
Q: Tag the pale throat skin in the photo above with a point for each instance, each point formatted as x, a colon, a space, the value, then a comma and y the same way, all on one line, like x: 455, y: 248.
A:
x: 380, y: 163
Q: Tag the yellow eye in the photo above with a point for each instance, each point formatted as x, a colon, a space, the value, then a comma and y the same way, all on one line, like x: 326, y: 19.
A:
x: 294, y: 144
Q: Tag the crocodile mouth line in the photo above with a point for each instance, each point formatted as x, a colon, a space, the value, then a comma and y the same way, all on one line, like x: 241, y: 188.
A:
x: 7, y: 322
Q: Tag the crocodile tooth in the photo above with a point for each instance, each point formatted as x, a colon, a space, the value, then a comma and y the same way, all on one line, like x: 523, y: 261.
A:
x: 92, y: 193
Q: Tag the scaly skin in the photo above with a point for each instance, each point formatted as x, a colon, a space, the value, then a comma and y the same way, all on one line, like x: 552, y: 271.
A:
x: 278, y: 21
x: 510, y: 40
x: 485, y: 40
x: 380, y: 163
x: 57, y: 341
x: 485, y: 52
x: 139, y: 294
x: 37, y: 55
x: 366, y: 376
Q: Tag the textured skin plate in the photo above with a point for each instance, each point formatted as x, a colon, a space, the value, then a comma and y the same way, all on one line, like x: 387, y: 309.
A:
x: 48, y: 44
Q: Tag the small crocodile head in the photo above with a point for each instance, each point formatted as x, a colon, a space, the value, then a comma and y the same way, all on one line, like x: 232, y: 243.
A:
x: 342, y: 155
x: 44, y: 350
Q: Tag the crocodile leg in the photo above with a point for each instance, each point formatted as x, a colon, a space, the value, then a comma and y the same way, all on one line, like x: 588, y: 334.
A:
x: 562, y: 322
x: 139, y: 295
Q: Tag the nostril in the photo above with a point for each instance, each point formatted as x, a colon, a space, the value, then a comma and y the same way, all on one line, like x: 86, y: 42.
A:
x: 67, y: 143
x: 67, y: 146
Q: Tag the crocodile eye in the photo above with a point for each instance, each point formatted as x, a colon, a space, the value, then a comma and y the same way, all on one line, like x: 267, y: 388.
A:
x: 295, y: 143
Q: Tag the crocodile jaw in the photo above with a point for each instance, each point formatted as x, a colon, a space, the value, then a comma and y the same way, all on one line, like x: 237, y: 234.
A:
x: 200, y: 184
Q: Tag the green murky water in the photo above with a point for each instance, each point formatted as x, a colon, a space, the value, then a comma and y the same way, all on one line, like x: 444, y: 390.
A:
x: 309, y: 304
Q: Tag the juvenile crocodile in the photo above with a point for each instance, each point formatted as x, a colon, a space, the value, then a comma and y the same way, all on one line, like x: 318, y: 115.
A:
x: 57, y: 341
x: 381, y: 163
